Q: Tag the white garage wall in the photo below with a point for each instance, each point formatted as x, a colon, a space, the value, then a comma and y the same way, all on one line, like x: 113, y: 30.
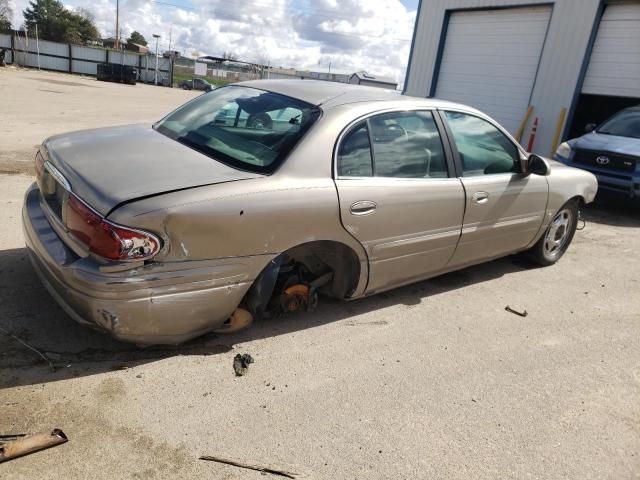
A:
x: 614, y: 67
x: 490, y: 60
x: 561, y: 63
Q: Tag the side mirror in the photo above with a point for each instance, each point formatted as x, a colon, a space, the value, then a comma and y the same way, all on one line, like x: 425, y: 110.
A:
x: 590, y: 127
x: 537, y: 165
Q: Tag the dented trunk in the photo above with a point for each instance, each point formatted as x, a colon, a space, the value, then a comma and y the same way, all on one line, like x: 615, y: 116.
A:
x: 107, y: 167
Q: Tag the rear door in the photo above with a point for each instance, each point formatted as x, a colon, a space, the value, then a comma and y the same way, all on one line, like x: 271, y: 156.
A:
x: 397, y: 196
x: 504, y: 208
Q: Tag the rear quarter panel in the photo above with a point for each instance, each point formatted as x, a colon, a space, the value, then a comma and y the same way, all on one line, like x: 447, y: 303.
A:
x: 258, y: 217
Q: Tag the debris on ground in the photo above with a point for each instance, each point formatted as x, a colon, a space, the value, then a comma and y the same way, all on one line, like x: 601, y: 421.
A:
x: 258, y: 468
x: 241, y: 363
x: 14, y: 446
x: 516, y: 312
x: 33, y: 349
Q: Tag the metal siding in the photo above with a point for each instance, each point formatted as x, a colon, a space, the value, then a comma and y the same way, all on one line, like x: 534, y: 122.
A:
x: 130, y: 59
x: 88, y: 53
x: 5, y: 42
x: 560, y: 65
x: 148, y: 75
x: 614, y: 67
x: 490, y: 60
x: 85, y: 68
x: 47, y: 63
x: 51, y: 48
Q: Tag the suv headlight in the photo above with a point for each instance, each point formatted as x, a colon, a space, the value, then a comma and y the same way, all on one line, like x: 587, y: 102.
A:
x: 564, y: 150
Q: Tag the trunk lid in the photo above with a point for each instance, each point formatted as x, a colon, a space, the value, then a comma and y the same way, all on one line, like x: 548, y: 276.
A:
x: 109, y: 166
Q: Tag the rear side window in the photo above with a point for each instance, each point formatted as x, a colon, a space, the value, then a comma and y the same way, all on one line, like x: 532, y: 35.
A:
x: 405, y: 145
x: 354, y: 154
x: 483, y: 149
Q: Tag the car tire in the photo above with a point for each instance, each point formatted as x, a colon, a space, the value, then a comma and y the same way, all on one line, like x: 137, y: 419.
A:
x: 556, y: 239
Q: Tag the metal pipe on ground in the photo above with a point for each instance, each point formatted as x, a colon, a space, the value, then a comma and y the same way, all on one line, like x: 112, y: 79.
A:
x: 24, y: 445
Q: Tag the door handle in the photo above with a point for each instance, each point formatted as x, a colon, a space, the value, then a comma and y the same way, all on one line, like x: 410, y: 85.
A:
x: 363, y: 207
x: 480, y: 197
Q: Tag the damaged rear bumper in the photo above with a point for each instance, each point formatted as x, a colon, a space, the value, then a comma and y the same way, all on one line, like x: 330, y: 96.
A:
x: 153, y: 304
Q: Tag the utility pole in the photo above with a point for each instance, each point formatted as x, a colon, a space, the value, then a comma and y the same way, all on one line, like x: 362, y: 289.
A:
x: 172, y: 59
x: 37, y: 47
x: 117, y: 45
x: 156, y: 74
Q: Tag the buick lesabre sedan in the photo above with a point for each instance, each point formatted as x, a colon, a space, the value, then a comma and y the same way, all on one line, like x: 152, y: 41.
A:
x: 257, y: 197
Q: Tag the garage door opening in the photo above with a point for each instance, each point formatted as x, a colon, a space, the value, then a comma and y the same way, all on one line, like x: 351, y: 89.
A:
x: 612, y: 78
x: 596, y: 109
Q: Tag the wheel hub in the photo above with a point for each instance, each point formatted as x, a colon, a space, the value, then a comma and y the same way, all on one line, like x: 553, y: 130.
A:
x: 558, y: 233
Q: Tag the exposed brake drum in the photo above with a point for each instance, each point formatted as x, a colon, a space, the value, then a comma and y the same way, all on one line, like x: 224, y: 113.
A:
x: 298, y: 298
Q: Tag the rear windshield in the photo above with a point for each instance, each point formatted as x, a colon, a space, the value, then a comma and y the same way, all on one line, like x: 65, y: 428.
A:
x: 244, y: 127
x: 624, y: 124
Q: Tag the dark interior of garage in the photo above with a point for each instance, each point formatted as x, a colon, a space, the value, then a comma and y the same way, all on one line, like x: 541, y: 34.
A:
x: 596, y: 109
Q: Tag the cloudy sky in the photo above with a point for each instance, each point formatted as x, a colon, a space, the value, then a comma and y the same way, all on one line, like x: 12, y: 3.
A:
x: 371, y: 35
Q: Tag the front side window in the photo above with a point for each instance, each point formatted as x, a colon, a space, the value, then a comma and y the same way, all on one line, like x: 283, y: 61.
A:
x: 483, y: 149
x: 243, y: 127
x: 623, y: 124
x: 395, y: 145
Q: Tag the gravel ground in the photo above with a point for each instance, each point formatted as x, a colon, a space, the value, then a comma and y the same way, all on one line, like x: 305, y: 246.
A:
x: 433, y: 380
x: 36, y: 105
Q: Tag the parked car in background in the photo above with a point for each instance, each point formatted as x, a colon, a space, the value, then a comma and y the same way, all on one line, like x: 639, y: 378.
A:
x: 611, y: 151
x: 196, y: 84
x: 160, y: 233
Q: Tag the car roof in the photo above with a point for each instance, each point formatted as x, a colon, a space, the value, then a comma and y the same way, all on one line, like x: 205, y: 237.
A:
x: 333, y: 94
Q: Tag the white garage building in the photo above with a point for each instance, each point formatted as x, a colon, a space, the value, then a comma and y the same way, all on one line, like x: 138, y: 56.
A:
x: 567, y: 62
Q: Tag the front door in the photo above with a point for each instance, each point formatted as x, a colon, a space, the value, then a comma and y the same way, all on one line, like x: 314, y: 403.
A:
x: 504, y: 208
x: 397, y: 197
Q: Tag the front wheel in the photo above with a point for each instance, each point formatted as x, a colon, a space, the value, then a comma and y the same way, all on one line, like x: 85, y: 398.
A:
x: 557, y: 238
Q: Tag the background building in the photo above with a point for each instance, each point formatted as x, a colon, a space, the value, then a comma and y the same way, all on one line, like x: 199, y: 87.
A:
x: 572, y: 61
x: 365, y: 78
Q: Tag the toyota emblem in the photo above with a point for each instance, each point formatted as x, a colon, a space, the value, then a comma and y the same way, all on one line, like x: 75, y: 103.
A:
x: 602, y: 160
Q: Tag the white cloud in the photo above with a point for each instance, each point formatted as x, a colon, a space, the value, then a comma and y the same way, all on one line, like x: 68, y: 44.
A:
x: 372, y: 35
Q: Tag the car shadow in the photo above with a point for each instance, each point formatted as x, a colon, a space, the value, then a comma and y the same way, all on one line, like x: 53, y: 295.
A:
x: 613, y: 209
x: 28, y: 313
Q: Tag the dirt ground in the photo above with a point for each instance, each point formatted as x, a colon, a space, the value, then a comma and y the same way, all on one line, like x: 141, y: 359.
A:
x: 431, y: 381
x: 35, y: 105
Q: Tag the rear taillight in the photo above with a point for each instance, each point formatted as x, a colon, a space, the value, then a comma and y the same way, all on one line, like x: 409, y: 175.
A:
x: 106, y: 239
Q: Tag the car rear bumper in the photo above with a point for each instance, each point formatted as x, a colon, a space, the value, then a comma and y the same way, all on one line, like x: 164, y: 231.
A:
x: 152, y: 304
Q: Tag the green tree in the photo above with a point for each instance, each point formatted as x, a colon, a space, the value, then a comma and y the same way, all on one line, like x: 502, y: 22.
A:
x: 229, y: 55
x: 58, y: 24
x: 137, y: 37
x: 6, y: 13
